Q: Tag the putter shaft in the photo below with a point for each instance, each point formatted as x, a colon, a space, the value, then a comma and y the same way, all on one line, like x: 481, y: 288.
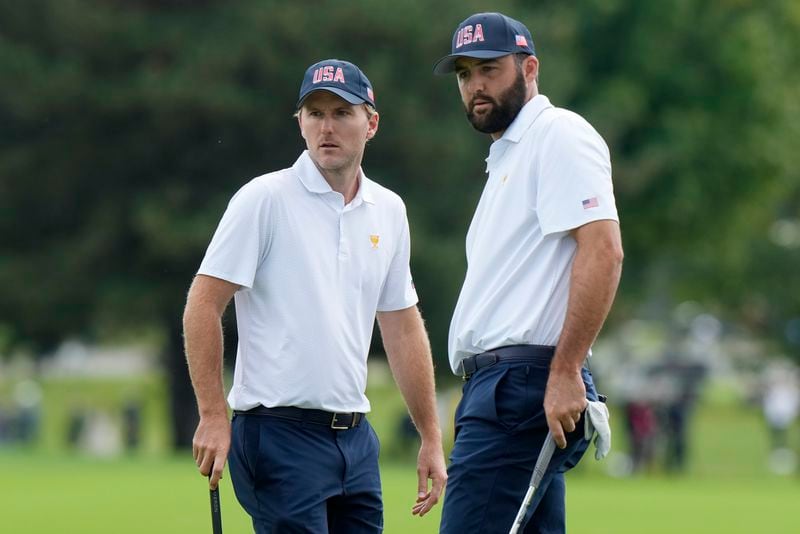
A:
x: 545, y: 455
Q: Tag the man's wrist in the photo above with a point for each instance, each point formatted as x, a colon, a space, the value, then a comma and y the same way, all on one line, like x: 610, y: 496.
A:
x: 565, y: 366
x: 431, y: 437
x: 211, y: 413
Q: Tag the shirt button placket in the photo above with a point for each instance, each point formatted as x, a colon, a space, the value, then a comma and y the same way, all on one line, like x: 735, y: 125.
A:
x: 344, y: 251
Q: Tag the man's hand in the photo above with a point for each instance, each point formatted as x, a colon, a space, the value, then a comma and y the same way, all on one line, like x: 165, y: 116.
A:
x: 409, y: 355
x: 210, y: 446
x: 430, y: 465
x: 564, y: 401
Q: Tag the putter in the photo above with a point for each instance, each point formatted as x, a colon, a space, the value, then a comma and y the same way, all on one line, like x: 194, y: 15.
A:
x: 216, y: 513
x: 548, y: 447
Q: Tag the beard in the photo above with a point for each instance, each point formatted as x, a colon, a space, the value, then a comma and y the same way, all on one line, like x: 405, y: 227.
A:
x: 504, y: 109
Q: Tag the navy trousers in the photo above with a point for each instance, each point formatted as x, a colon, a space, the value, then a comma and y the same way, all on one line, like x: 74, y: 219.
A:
x: 500, y: 429
x: 294, y: 477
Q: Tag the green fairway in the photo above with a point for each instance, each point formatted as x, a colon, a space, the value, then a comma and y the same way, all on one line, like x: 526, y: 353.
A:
x: 44, y: 494
x: 727, y: 488
x: 685, y: 505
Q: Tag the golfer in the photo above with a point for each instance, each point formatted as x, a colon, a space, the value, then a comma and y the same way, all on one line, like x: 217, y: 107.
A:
x: 311, y: 254
x: 544, y: 260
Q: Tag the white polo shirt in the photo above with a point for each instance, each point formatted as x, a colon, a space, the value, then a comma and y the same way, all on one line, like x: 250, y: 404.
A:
x: 313, y: 272
x: 549, y: 173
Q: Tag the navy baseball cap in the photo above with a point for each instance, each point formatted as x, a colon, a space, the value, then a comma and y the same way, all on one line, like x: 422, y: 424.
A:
x: 341, y: 78
x: 485, y: 36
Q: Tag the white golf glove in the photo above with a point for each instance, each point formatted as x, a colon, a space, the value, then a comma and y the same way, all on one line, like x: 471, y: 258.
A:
x: 597, y: 420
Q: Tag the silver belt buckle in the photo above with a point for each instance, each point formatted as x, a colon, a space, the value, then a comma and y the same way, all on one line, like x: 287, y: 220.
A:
x: 334, y: 426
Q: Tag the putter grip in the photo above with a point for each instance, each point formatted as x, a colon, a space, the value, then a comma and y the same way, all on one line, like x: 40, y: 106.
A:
x: 216, y: 514
x: 546, y: 454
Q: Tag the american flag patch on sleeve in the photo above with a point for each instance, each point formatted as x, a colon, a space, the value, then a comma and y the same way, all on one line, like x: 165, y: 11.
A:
x: 590, y: 203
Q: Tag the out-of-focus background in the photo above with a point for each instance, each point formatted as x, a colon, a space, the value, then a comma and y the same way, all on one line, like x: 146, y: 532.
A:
x: 126, y: 126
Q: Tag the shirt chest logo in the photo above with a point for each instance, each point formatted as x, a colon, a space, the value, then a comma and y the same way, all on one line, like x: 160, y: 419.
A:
x: 374, y: 239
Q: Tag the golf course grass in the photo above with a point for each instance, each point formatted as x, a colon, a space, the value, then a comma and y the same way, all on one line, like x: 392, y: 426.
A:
x: 46, y: 494
x: 727, y: 487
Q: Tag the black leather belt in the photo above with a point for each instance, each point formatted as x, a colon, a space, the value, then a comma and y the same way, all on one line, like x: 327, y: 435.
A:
x: 470, y: 365
x: 336, y: 421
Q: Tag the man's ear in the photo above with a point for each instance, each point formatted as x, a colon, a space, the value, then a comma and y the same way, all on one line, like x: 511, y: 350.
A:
x: 373, y: 126
x: 530, y: 68
x: 299, y: 116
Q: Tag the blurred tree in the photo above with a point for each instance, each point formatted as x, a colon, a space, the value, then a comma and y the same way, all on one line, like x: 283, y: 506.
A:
x: 125, y: 127
x: 699, y: 102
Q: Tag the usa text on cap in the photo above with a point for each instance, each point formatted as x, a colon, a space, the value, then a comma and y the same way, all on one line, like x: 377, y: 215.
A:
x: 341, y: 78
x: 486, y: 36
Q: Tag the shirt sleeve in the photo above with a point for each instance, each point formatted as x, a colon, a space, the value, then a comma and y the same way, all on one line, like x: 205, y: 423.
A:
x: 242, y: 238
x: 574, y: 186
x: 398, y: 292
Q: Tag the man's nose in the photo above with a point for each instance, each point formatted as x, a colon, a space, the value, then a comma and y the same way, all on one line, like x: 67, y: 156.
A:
x: 475, y: 84
x: 327, y: 123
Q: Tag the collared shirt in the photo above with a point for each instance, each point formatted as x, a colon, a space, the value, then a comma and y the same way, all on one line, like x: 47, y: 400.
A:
x: 549, y: 173
x: 313, y: 272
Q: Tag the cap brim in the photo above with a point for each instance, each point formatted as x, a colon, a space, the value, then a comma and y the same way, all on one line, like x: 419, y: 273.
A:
x: 348, y: 97
x: 447, y: 64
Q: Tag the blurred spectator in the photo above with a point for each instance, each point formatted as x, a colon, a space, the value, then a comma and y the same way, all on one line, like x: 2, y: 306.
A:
x: 781, y: 404
x: 676, y: 418
x: 781, y: 401
x: 406, y: 442
x: 28, y: 398
x: 640, y: 419
x: 5, y: 425
x: 131, y: 424
x: 677, y: 382
x: 76, y: 427
x: 102, y: 435
x: 406, y: 431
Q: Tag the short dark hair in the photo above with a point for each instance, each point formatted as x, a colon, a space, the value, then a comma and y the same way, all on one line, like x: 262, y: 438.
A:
x: 519, y: 58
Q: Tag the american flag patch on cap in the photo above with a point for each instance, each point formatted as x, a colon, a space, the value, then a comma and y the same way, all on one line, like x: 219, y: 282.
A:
x: 521, y: 41
x: 590, y: 203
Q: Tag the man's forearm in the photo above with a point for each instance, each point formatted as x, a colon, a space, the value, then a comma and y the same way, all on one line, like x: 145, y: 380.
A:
x: 409, y: 355
x: 203, y: 344
x: 594, y: 279
x: 202, y: 330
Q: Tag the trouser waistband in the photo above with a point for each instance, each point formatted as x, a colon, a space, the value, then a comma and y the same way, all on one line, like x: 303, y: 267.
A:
x: 470, y: 365
x: 334, y: 420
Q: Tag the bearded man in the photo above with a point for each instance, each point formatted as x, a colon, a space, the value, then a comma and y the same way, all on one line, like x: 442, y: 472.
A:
x: 544, y: 258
